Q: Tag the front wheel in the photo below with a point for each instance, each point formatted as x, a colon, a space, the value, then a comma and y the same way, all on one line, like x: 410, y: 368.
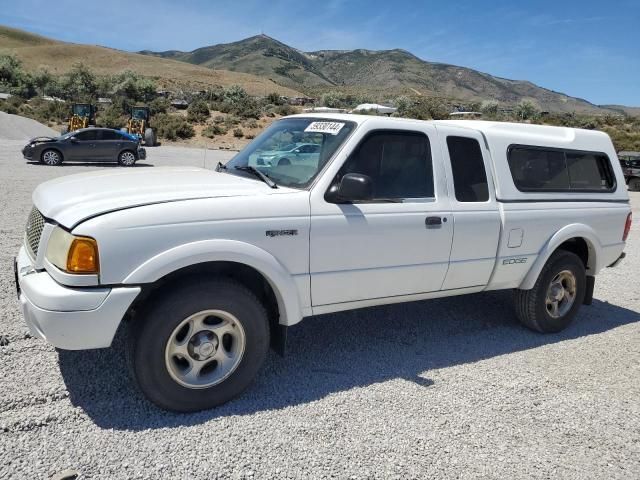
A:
x: 554, y: 300
x: 126, y: 158
x: 200, y: 346
x: 51, y: 157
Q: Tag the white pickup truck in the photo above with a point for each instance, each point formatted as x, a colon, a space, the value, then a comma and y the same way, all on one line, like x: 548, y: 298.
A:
x: 206, y: 269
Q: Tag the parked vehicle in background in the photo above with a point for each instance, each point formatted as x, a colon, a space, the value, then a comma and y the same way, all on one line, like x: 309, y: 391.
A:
x: 83, y: 115
x: 630, y: 162
x: 292, y: 153
x: 208, y: 268
x: 86, y: 145
x: 139, y: 124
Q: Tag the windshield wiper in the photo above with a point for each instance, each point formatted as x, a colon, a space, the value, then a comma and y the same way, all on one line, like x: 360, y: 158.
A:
x: 220, y: 166
x: 258, y: 174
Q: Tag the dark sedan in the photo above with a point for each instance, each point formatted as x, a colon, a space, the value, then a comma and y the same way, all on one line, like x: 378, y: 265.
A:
x: 86, y: 145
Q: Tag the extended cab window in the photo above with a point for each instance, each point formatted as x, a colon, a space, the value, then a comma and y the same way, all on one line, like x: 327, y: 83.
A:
x: 469, y: 174
x: 540, y: 169
x: 398, y: 163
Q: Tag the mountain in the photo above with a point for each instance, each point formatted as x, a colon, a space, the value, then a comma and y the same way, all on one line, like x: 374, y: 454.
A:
x: 390, y: 71
x: 59, y: 57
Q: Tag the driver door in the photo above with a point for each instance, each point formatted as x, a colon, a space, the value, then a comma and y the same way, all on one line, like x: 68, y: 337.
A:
x: 395, y: 244
x: 83, y: 148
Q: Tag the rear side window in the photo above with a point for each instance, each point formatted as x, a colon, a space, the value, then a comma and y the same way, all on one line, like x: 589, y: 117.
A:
x: 537, y: 169
x: 469, y: 174
x: 109, y: 135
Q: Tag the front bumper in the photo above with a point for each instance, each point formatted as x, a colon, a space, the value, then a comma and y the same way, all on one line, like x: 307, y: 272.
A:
x: 142, y: 153
x: 27, y: 152
x: 69, y: 318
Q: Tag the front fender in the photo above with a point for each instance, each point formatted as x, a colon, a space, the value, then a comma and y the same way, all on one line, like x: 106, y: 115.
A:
x: 203, y: 251
x: 576, y: 230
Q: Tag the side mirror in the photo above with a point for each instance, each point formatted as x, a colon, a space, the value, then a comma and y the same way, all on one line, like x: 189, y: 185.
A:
x: 352, y: 188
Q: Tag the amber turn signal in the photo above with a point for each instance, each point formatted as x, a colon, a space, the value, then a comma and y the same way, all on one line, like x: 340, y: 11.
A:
x: 83, y: 256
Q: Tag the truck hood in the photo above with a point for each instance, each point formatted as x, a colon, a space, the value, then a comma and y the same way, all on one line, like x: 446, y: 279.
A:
x: 71, y: 199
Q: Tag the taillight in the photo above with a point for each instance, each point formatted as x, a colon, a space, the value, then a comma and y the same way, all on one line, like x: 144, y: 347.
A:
x: 627, y: 228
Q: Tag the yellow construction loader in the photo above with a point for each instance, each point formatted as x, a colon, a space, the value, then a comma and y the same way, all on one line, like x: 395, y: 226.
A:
x: 83, y: 115
x: 139, y: 125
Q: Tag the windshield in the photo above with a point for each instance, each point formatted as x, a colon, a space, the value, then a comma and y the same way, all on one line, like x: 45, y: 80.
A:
x: 292, y: 151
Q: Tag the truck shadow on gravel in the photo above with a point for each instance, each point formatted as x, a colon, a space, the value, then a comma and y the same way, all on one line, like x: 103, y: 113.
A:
x: 338, y: 352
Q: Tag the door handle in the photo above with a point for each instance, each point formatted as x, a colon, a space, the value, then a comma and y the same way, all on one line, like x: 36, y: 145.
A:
x: 434, y: 222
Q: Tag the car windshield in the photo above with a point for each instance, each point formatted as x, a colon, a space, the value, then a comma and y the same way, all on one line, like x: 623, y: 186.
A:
x: 272, y: 152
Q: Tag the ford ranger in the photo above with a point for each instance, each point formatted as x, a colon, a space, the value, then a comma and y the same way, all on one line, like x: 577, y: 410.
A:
x: 206, y: 269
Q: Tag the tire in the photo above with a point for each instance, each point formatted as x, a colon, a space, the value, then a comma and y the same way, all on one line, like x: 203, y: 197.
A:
x: 149, y: 137
x: 284, y: 161
x: 51, y: 157
x: 532, y: 306
x: 127, y: 158
x: 159, y: 369
x: 634, y: 184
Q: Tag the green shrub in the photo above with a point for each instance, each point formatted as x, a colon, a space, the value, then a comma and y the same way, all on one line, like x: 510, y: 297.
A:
x: 214, y: 129
x: 238, y: 133
x: 285, y: 110
x: 198, y: 111
x: 172, y: 127
x: 159, y: 105
x: 251, y: 123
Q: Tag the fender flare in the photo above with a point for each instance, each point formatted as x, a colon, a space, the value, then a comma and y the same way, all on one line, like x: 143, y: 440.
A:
x: 188, y: 254
x: 568, y: 232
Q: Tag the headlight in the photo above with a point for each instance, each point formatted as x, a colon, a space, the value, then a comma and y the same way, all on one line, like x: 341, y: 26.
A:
x: 71, y: 253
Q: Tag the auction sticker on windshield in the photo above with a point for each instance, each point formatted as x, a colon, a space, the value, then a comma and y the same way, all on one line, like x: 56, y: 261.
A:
x: 332, y: 128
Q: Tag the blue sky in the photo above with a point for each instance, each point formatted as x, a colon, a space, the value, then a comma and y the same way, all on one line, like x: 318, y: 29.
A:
x: 588, y: 49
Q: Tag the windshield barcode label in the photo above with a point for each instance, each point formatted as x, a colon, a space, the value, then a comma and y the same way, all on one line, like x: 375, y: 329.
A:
x: 332, y: 128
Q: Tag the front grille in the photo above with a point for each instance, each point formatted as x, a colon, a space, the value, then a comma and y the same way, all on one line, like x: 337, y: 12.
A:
x: 35, y: 224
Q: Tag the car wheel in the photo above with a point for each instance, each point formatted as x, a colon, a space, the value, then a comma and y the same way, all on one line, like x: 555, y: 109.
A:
x: 284, y: 161
x: 126, y: 158
x: 200, y: 346
x: 634, y: 184
x: 51, y: 157
x: 554, y: 300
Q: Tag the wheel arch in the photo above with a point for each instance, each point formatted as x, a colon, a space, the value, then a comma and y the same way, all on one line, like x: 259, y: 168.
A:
x: 245, y: 263
x: 576, y: 238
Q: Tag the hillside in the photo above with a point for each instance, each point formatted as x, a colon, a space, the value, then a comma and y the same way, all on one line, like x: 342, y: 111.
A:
x: 389, y: 70
x: 58, y: 57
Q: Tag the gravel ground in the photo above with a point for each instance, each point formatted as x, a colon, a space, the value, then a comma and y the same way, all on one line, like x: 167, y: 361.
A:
x: 15, y: 127
x: 450, y: 388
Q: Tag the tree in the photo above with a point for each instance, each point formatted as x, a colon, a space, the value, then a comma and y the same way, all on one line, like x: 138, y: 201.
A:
x: 403, y: 103
x: 489, y: 108
x: 80, y: 84
x: 43, y: 80
x: 526, y: 110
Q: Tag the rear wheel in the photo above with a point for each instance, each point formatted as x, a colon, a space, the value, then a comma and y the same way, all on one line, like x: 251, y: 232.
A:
x: 200, y: 346
x: 634, y: 184
x: 126, y: 158
x: 51, y: 157
x: 284, y: 161
x: 149, y: 137
x: 554, y: 300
